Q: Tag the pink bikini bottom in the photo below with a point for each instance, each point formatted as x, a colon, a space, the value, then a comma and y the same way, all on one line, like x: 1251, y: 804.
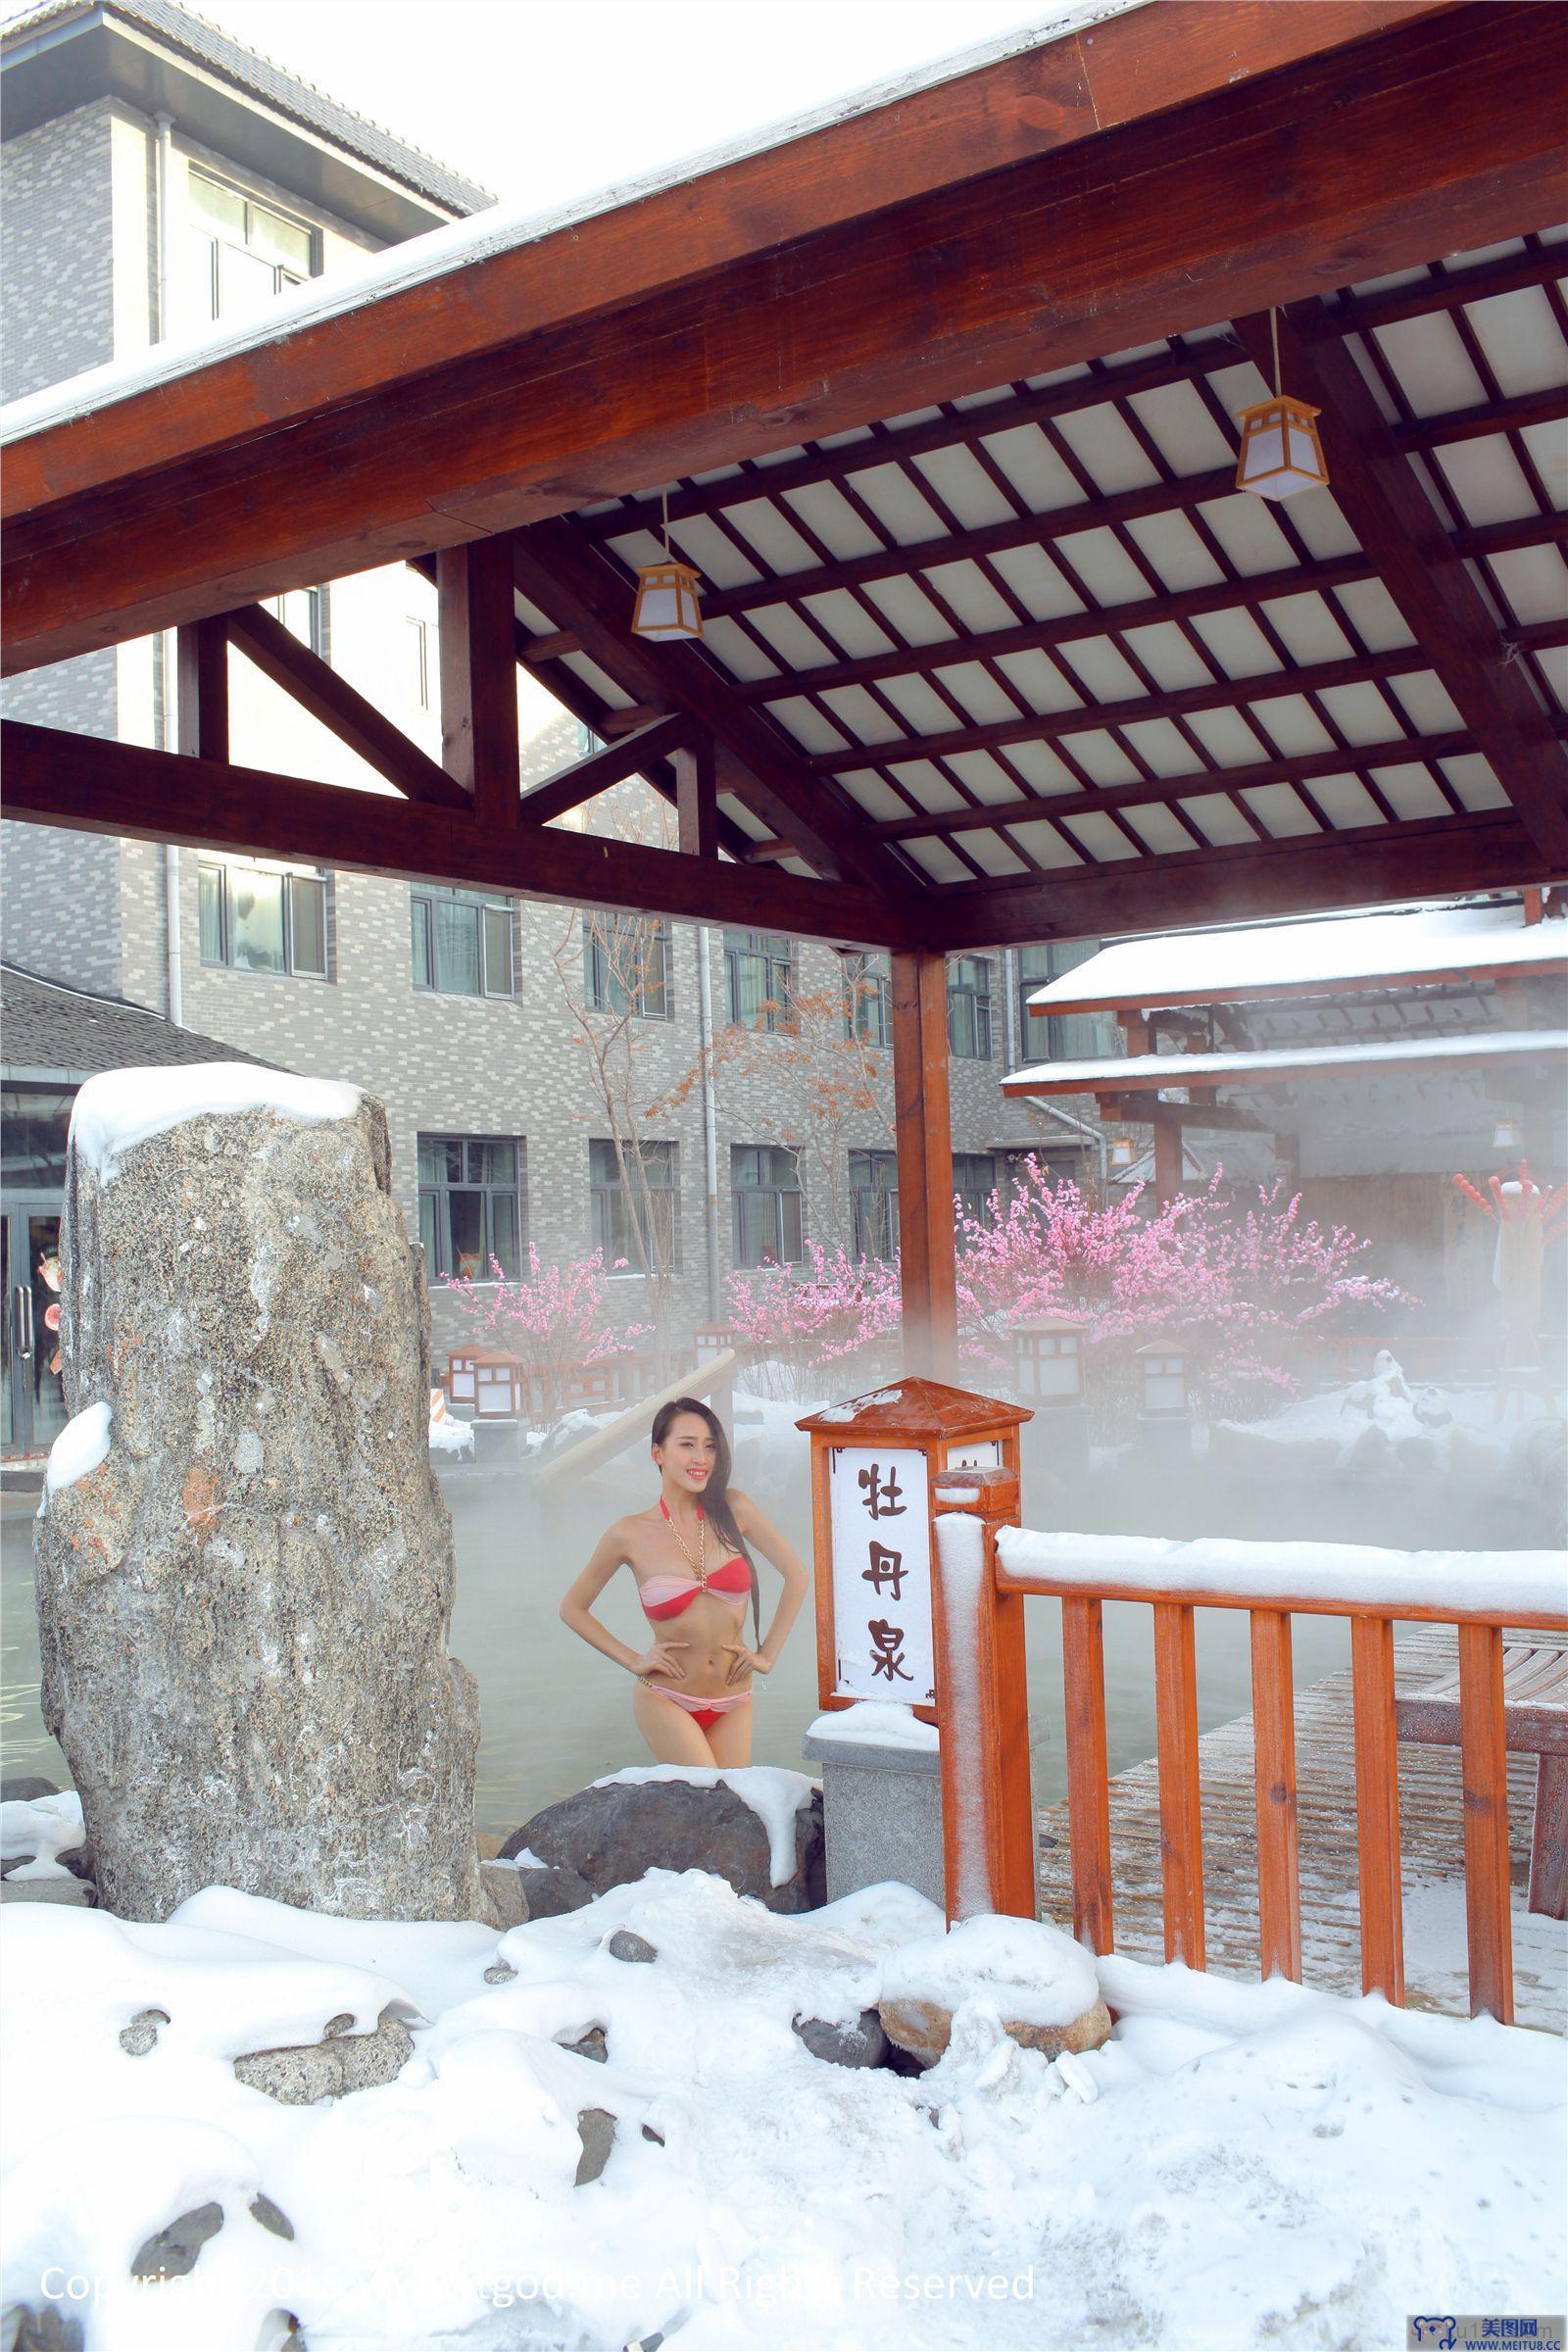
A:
x: 703, y: 1711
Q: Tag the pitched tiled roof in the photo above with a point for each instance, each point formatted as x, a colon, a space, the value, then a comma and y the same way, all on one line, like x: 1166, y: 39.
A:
x: 70, y: 1033
x: 220, y: 54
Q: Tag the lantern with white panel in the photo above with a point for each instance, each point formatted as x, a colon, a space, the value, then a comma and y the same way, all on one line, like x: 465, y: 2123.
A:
x: 1165, y: 1426
x: 1048, y: 1373
x: 1281, y: 454
x: 874, y: 1464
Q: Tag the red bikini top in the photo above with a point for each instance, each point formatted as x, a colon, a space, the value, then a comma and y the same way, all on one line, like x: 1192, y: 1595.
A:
x: 668, y: 1596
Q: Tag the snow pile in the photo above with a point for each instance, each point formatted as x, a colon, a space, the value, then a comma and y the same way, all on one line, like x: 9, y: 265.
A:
x: 79, y: 1449
x: 881, y: 1722
x: 1240, y: 2164
x: 44, y: 1828
x: 1380, y: 1424
x: 120, y: 1109
x: 448, y: 1433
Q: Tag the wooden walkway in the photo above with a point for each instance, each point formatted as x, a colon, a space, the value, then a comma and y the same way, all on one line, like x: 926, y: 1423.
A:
x: 1430, y: 1837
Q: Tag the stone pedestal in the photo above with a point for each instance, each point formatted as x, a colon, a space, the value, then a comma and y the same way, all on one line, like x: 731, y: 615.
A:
x: 1165, y: 1441
x: 881, y: 1813
x: 1056, y: 1441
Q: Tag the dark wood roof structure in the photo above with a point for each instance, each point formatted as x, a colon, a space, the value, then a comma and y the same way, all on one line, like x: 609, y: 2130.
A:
x: 941, y: 391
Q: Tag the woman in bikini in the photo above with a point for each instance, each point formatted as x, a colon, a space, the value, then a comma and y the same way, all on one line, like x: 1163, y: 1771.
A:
x: 691, y: 1557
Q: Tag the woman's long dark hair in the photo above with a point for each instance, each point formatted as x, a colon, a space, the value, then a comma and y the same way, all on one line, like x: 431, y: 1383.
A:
x: 715, y: 1496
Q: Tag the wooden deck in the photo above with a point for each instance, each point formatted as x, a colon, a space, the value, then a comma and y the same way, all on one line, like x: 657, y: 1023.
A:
x: 1432, y: 1843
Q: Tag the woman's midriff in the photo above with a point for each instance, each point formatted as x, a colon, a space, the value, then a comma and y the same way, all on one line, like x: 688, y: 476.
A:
x: 705, y: 1626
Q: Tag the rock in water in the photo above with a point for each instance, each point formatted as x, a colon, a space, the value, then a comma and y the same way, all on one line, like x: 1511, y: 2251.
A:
x: 244, y: 1601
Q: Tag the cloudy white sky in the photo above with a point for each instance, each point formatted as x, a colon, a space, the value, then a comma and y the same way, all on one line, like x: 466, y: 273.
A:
x: 543, y: 100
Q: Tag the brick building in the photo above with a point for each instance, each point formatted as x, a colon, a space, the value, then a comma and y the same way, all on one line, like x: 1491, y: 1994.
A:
x: 157, y: 177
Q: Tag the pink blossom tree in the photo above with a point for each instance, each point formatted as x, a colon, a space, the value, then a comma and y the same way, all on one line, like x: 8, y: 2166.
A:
x: 554, y: 1319
x: 816, y: 1324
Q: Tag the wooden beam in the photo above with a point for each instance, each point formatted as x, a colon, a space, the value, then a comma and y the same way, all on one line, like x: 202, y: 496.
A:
x: 479, y: 625
x: 331, y: 700
x: 1125, y: 184
x: 597, y: 771
x: 1397, y: 523
x: 201, y: 668
x: 697, y: 801
x: 556, y: 569
x: 1365, y: 867
x: 924, y: 1127
x: 90, y: 785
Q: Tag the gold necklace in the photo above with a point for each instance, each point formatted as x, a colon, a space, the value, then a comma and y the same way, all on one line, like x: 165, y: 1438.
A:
x: 696, y: 1565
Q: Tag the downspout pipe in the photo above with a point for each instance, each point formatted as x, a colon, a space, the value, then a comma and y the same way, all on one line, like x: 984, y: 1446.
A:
x: 174, y: 963
x: 705, y: 1041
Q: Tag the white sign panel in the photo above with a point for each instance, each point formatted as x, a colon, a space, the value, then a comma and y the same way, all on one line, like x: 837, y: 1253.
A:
x: 880, y: 1521
x: 980, y: 1453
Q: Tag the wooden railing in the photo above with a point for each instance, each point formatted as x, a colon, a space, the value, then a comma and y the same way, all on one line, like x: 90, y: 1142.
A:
x: 982, y: 1708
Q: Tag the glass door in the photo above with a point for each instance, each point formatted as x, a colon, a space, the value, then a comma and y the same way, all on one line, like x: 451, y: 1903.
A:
x: 34, y: 1405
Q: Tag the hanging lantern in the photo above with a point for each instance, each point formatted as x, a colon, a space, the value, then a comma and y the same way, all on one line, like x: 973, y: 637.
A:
x: 666, y: 595
x: 1281, y: 453
x: 1123, y: 1151
x: 1507, y: 1135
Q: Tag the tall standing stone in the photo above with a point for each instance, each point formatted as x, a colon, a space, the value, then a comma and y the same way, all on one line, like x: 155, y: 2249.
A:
x: 244, y: 1604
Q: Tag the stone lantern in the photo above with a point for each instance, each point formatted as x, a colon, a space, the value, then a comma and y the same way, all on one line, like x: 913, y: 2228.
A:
x: 1164, y: 1423
x: 1048, y: 1376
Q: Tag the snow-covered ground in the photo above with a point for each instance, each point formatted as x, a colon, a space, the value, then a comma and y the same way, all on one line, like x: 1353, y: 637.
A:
x: 1388, y: 1422
x: 1240, y: 2165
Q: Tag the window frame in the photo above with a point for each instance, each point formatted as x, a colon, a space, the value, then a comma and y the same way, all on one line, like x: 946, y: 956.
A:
x: 222, y: 870
x: 868, y: 993
x: 440, y: 1191
x: 776, y: 951
x: 976, y: 1199
x: 615, y: 1205
x: 779, y: 1194
x: 598, y: 969
x: 1061, y: 1043
x: 200, y: 225
x: 977, y: 995
x: 422, y: 900
x: 874, y: 1203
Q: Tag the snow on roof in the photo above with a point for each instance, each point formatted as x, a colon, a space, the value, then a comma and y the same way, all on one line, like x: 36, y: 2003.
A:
x: 1198, y: 967
x: 1152, y: 1071
x: 498, y: 230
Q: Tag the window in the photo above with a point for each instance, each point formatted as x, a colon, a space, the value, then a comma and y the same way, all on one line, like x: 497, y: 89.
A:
x: 471, y: 1205
x: 874, y: 1203
x: 969, y: 1007
x: 462, y: 942
x: 756, y: 979
x: 263, y: 919
x: 766, y: 1182
x: 1061, y: 1036
x: 302, y: 612
x: 868, y: 1000
x: 625, y: 965
x: 636, y: 1218
x: 421, y: 661
x: 974, y: 1180
x: 242, y: 254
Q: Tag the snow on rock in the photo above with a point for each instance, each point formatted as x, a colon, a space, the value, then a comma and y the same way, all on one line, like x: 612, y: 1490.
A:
x: 1240, y: 2164
x: 774, y: 1793
x: 449, y: 1435
x: 79, y: 1449
x: 1509, y: 1585
x: 44, y: 1828
x: 1022, y: 1968
x: 120, y: 1109
x: 1379, y: 1424
x: 883, y: 1723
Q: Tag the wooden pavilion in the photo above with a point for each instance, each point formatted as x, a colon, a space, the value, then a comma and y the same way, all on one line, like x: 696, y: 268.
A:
x: 941, y: 390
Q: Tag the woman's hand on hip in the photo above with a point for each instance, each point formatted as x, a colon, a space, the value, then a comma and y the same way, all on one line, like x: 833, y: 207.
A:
x: 746, y: 1661
x: 661, y: 1659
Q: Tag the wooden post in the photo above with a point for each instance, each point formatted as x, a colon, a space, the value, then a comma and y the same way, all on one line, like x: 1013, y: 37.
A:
x: 1484, y: 1764
x: 1169, y: 1159
x: 1082, y: 1688
x: 988, y: 1822
x: 479, y: 676
x: 697, y: 800
x: 1279, y: 1872
x: 1180, y: 1820
x: 924, y: 1135
x: 1377, y: 1807
x: 202, y: 684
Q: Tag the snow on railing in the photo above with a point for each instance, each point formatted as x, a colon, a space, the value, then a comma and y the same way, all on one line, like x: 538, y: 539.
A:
x: 983, y: 1567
